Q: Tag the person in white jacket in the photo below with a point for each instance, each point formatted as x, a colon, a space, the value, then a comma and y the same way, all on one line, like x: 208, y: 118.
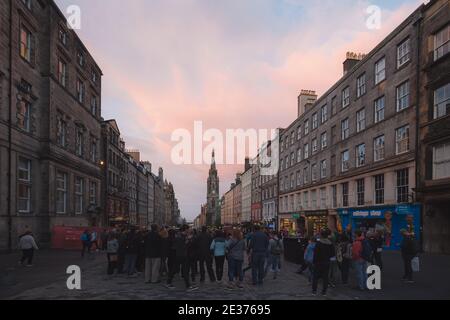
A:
x: 27, y: 244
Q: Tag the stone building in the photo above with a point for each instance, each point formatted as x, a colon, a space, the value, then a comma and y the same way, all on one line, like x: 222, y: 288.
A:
x: 159, y: 198
x: 213, y: 210
x: 227, y: 208
x: 246, y: 179
x: 115, y: 185
x: 237, y: 201
x: 256, y: 208
x: 433, y: 186
x: 349, y: 158
x: 50, y: 107
x: 132, y: 190
x: 150, y: 193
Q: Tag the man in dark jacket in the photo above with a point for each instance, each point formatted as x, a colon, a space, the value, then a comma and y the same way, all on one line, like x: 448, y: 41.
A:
x: 323, y: 253
x: 204, y: 255
x: 258, y: 248
x: 409, y: 251
x: 153, y: 244
x: 131, y: 251
x: 179, y: 245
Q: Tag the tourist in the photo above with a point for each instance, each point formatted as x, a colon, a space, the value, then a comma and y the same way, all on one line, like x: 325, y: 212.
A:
x: 141, y: 254
x: 165, y: 250
x: 258, y: 247
x: 131, y: 251
x: 334, y: 238
x: 204, y: 241
x: 27, y: 244
x: 104, y: 239
x: 345, y: 248
x: 180, y: 259
x: 122, y: 238
x: 309, y: 258
x: 153, y: 246
x: 361, y: 254
x: 409, y: 251
x: 323, y: 252
x: 112, y: 250
x: 217, y: 247
x: 94, y: 239
x: 276, y: 249
x: 375, y: 239
x: 236, y: 248
x: 85, y: 242
x: 192, y: 254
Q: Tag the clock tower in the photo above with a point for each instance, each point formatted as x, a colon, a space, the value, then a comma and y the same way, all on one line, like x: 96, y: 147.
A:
x: 213, y: 204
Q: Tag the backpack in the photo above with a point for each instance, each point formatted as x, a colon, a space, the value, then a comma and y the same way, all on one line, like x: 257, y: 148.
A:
x: 366, y: 252
x: 277, y: 249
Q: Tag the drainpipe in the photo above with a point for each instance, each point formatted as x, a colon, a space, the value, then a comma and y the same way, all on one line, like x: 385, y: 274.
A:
x: 418, y: 100
x: 9, y: 206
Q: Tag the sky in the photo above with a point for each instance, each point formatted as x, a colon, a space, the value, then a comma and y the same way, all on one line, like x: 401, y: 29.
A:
x: 229, y: 63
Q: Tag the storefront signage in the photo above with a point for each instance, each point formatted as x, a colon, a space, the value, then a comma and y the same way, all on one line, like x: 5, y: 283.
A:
x: 315, y: 213
x: 403, y: 209
x: 368, y: 214
x: 296, y: 216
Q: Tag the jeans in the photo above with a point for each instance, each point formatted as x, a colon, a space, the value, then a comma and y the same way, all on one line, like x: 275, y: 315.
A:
x: 130, y: 264
x: 407, y: 258
x: 258, y: 261
x: 235, y: 269
x: 208, y: 261
x: 361, y: 273
x: 275, y: 263
x: 220, y: 260
x: 321, y: 271
x: 152, y: 267
x: 27, y: 254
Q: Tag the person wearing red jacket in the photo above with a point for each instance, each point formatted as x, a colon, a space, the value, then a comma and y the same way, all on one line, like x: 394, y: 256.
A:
x: 359, y: 262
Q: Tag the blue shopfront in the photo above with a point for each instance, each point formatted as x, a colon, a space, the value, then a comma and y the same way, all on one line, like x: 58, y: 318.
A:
x: 389, y: 220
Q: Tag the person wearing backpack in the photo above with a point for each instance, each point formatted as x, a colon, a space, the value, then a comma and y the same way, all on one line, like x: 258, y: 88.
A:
x: 361, y: 254
x: 276, y: 249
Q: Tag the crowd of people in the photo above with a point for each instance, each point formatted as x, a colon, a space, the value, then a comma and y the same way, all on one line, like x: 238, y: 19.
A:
x: 163, y: 253
x: 328, y: 254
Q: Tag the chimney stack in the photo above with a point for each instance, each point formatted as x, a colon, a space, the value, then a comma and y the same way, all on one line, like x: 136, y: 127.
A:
x: 352, y: 60
x: 305, y: 100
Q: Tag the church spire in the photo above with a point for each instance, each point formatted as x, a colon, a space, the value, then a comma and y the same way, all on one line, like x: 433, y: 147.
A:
x: 213, y: 161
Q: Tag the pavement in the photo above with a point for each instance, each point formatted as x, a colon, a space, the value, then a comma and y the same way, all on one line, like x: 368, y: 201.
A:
x: 46, y: 280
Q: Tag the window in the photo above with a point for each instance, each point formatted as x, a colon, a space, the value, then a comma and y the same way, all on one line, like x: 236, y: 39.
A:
x: 361, y: 120
x: 379, y: 148
x: 94, y: 105
x: 305, y: 176
x: 94, y: 150
x: 402, y: 140
x: 442, y: 101
x: 333, y: 106
x: 93, y: 193
x: 324, y: 114
x: 24, y: 115
x: 380, y: 71
x: 62, y: 36
x: 403, y: 185
x: 299, y: 155
x: 27, y: 4
x: 345, y: 131
x: 403, y: 96
x: 94, y: 76
x: 282, y: 163
x: 441, y: 161
x: 306, y: 127
x: 323, y: 198
x: 80, y: 91
x: 379, y: 189
x: 25, y: 44
x: 361, y: 86
x: 314, y: 199
x: 306, y: 151
x: 360, y: 191
x: 61, y: 192
x: 323, y: 169
x: 61, y: 133
x: 281, y: 146
x: 299, y: 178
x: 323, y: 140
x: 346, y: 97
x: 306, y: 199
x: 379, y: 109
x: 80, y: 59
x: 62, y: 73
x: 292, y: 181
x: 314, y: 172
x: 79, y: 191
x: 360, y: 155
x: 403, y: 53
x: 314, y: 146
x: 79, y: 142
x: 345, y: 194
x: 299, y: 133
x: 345, y: 160
x: 315, y: 121
x: 292, y: 158
x: 442, y: 43
x: 334, y: 196
x: 24, y: 186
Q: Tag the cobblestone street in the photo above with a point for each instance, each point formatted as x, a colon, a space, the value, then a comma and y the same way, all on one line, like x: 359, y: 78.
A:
x: 49, y: 282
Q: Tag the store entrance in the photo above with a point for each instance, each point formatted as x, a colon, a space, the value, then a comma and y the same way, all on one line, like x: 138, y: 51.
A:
x: 315, y: 224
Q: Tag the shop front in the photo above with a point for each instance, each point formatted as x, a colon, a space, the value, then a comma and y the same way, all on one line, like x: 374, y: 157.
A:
x: 389, y: 220
x: 306, y: 224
